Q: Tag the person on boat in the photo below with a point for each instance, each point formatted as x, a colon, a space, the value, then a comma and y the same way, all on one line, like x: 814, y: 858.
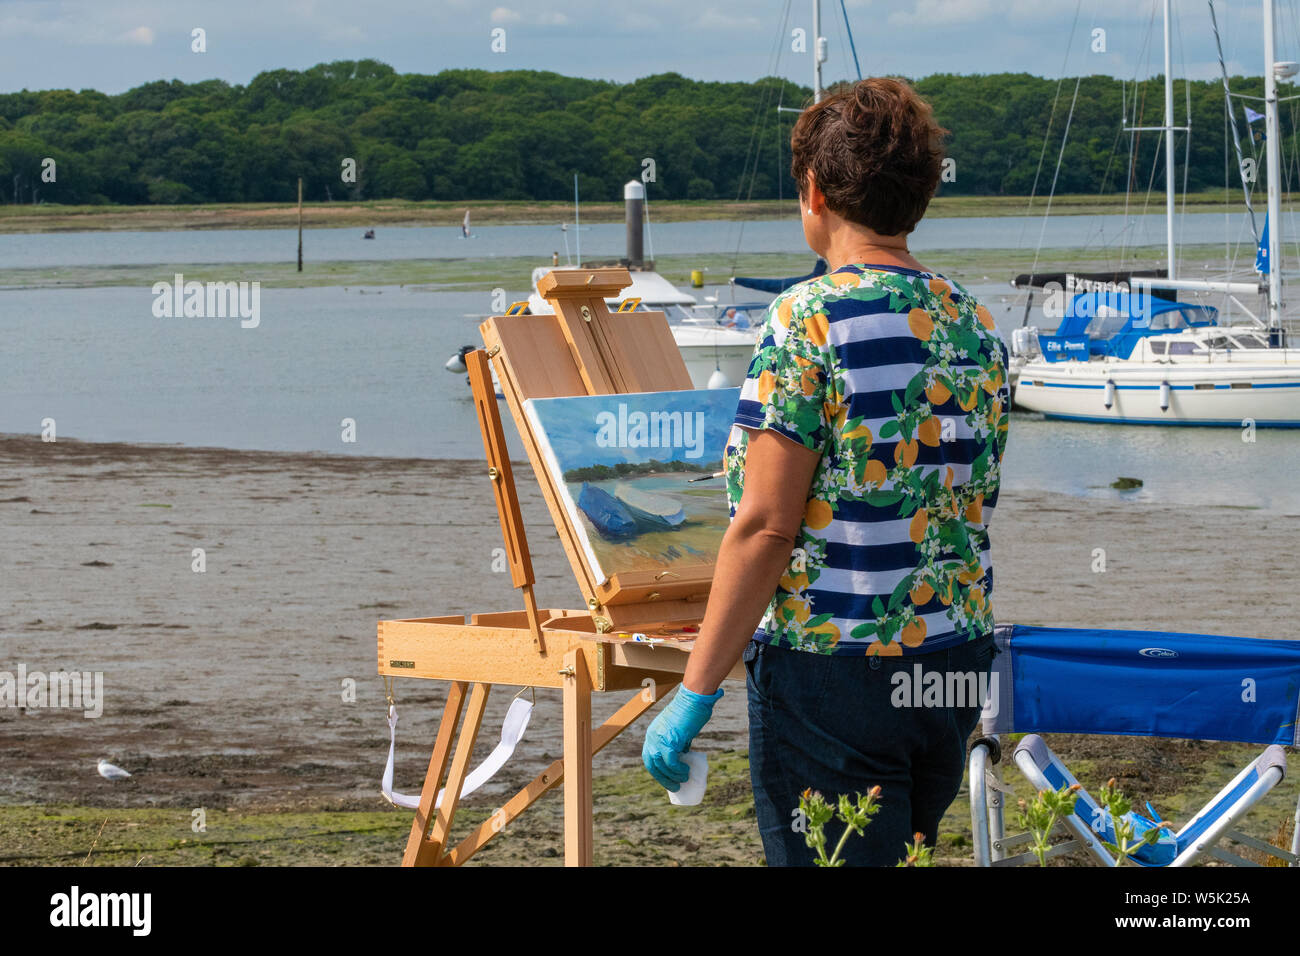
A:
x: 861, y: 472
x: 736, y: 318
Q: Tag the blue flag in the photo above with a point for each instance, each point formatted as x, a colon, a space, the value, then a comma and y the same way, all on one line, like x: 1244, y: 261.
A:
x: 1251, y: 115
x: 1261, y: 254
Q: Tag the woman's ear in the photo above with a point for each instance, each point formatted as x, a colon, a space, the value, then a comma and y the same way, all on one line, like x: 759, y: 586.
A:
x: 813, y: 199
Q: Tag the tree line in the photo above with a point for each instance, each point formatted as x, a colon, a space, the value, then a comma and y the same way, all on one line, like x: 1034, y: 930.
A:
x: 358, y: 130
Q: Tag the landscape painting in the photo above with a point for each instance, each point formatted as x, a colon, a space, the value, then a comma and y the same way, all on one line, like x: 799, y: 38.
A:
x: 624, y: 465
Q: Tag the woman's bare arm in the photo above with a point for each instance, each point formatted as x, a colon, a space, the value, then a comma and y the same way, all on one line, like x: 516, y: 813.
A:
x: 755, y: 552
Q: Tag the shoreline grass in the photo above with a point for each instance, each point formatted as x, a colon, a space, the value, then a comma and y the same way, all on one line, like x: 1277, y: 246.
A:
x: 16, y: 218
x: 511, y: 273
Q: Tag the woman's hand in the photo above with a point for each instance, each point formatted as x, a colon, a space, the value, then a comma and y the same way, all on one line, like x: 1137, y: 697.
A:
x: 671, y: 733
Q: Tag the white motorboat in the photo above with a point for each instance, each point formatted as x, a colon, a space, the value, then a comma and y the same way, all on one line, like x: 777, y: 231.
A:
x: 716, y: 341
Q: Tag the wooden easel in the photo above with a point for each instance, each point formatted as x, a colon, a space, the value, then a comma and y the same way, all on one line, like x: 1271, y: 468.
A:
x: 583, y: 349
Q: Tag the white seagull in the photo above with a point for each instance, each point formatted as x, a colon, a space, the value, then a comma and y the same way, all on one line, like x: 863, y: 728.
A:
x: 111, y: 771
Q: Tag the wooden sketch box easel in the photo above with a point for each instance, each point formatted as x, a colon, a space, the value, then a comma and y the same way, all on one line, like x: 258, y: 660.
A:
x: 583, y: 349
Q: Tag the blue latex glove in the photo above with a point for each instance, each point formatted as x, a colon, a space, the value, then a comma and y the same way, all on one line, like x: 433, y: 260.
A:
x: 671, y: 733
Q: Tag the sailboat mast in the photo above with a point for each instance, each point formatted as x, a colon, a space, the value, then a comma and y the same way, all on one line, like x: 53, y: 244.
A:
x: 817, y: 49
x: 1274, y: 161
x: 1169, y: 148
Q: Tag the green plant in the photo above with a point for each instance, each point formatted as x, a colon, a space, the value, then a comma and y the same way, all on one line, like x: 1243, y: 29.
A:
x: 1040, y: 815
x: 1114, y: 802
x: 854, y: 813
x: 918, y: 854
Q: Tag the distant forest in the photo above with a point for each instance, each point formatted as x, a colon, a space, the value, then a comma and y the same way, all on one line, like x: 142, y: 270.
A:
x: 519, y: 135
x: 626, y: 469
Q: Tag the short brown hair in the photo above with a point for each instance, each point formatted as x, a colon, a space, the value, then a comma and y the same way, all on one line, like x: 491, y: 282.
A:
x: 875, y: 150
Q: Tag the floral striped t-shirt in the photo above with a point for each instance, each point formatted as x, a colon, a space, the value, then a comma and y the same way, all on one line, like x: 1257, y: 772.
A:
x: 899, y: 379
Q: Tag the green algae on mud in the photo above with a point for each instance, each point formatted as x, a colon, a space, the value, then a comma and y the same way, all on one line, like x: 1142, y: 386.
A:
x: 634, y: 823
x: 16, y: 218
x: 511, y: 273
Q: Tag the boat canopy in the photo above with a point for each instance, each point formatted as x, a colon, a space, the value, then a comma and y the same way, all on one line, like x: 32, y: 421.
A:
x: 1112, y: 323
x: 777, y: 286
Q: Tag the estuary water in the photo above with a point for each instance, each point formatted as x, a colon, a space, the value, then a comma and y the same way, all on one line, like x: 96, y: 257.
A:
x: 50, y: 250
x: 359, y: 371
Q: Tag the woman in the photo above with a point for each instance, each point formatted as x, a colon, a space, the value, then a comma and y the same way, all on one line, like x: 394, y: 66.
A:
x: 861, y: 472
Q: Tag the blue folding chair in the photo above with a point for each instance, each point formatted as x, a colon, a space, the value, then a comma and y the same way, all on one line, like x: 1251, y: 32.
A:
x: 1142, y: 684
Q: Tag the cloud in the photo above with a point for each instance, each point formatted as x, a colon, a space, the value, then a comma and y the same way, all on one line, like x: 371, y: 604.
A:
x: 713, y: 19
x: 505, y: 15
x: 140, y: 36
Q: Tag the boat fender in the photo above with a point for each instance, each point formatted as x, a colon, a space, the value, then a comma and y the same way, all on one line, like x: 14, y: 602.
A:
x: 1110, y: 393
x: 1164, y: 396
x: 719, y: 379
x: 457, y: 362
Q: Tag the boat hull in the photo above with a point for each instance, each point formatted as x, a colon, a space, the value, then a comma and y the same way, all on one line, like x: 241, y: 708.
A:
x: 1230, y: 394
x: 707, y: 351
x: 609, y: 515
x: 652, y: 511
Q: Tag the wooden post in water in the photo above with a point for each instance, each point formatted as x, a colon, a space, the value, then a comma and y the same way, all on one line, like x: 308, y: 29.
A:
x: 300, y: 224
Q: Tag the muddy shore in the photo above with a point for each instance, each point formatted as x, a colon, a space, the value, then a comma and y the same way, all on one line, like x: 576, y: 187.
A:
x: 227, y: 688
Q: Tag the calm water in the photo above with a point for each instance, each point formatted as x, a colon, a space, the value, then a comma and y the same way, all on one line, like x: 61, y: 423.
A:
x: 598, y: 241
x: 100, y: 364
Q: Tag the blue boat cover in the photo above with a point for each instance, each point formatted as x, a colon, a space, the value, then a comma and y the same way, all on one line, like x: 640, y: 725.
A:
x: 1116, y: 320
x: 777, y: 286
x: 1145, y: 684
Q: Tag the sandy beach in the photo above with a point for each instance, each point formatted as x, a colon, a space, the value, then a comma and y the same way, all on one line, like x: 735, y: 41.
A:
x: 226, y: 689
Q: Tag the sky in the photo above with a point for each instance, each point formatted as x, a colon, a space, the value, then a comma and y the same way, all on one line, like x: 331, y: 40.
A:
x: 580, y: 435
x: 113, y: 45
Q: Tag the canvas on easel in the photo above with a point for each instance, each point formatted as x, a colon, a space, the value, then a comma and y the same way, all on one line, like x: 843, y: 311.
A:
x: 635, y: 473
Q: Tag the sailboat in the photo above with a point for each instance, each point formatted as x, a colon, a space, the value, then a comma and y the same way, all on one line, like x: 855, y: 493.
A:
x: 464, y: 226
x: 1134, y: 355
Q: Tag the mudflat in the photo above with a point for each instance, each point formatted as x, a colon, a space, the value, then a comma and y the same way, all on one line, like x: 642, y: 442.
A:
x: 250, y: 685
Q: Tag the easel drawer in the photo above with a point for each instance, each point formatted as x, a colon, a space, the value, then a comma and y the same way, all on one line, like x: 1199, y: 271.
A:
x: 450, y: 648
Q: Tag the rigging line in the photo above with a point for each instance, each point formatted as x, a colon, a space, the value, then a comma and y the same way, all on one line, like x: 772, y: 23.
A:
x: 1187, y: 136
x: 1110, y: 161
x: 1047, y: 135
x: 1289, y: 179
x: 849, y: 30
x: 1128, y: 178
x: 1295, y: 31
x: 1227, y: 175
x: 1232, y: 121
x: 764, y: 103
x: 1139, y: 117
x: 1151, y: 180
x: 1065, y: 138
x: 760, y: 114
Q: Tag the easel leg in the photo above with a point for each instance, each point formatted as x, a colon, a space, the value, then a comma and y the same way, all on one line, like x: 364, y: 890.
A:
x: 619, y: 721
x: 459, y: 766
x: 418, y: 851
x: 577, y: 760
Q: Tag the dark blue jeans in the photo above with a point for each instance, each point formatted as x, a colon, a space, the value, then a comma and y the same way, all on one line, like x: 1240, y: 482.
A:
x: 831, y: 724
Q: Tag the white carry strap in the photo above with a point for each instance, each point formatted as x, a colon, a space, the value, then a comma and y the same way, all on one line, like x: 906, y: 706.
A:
x: 512, y: 731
